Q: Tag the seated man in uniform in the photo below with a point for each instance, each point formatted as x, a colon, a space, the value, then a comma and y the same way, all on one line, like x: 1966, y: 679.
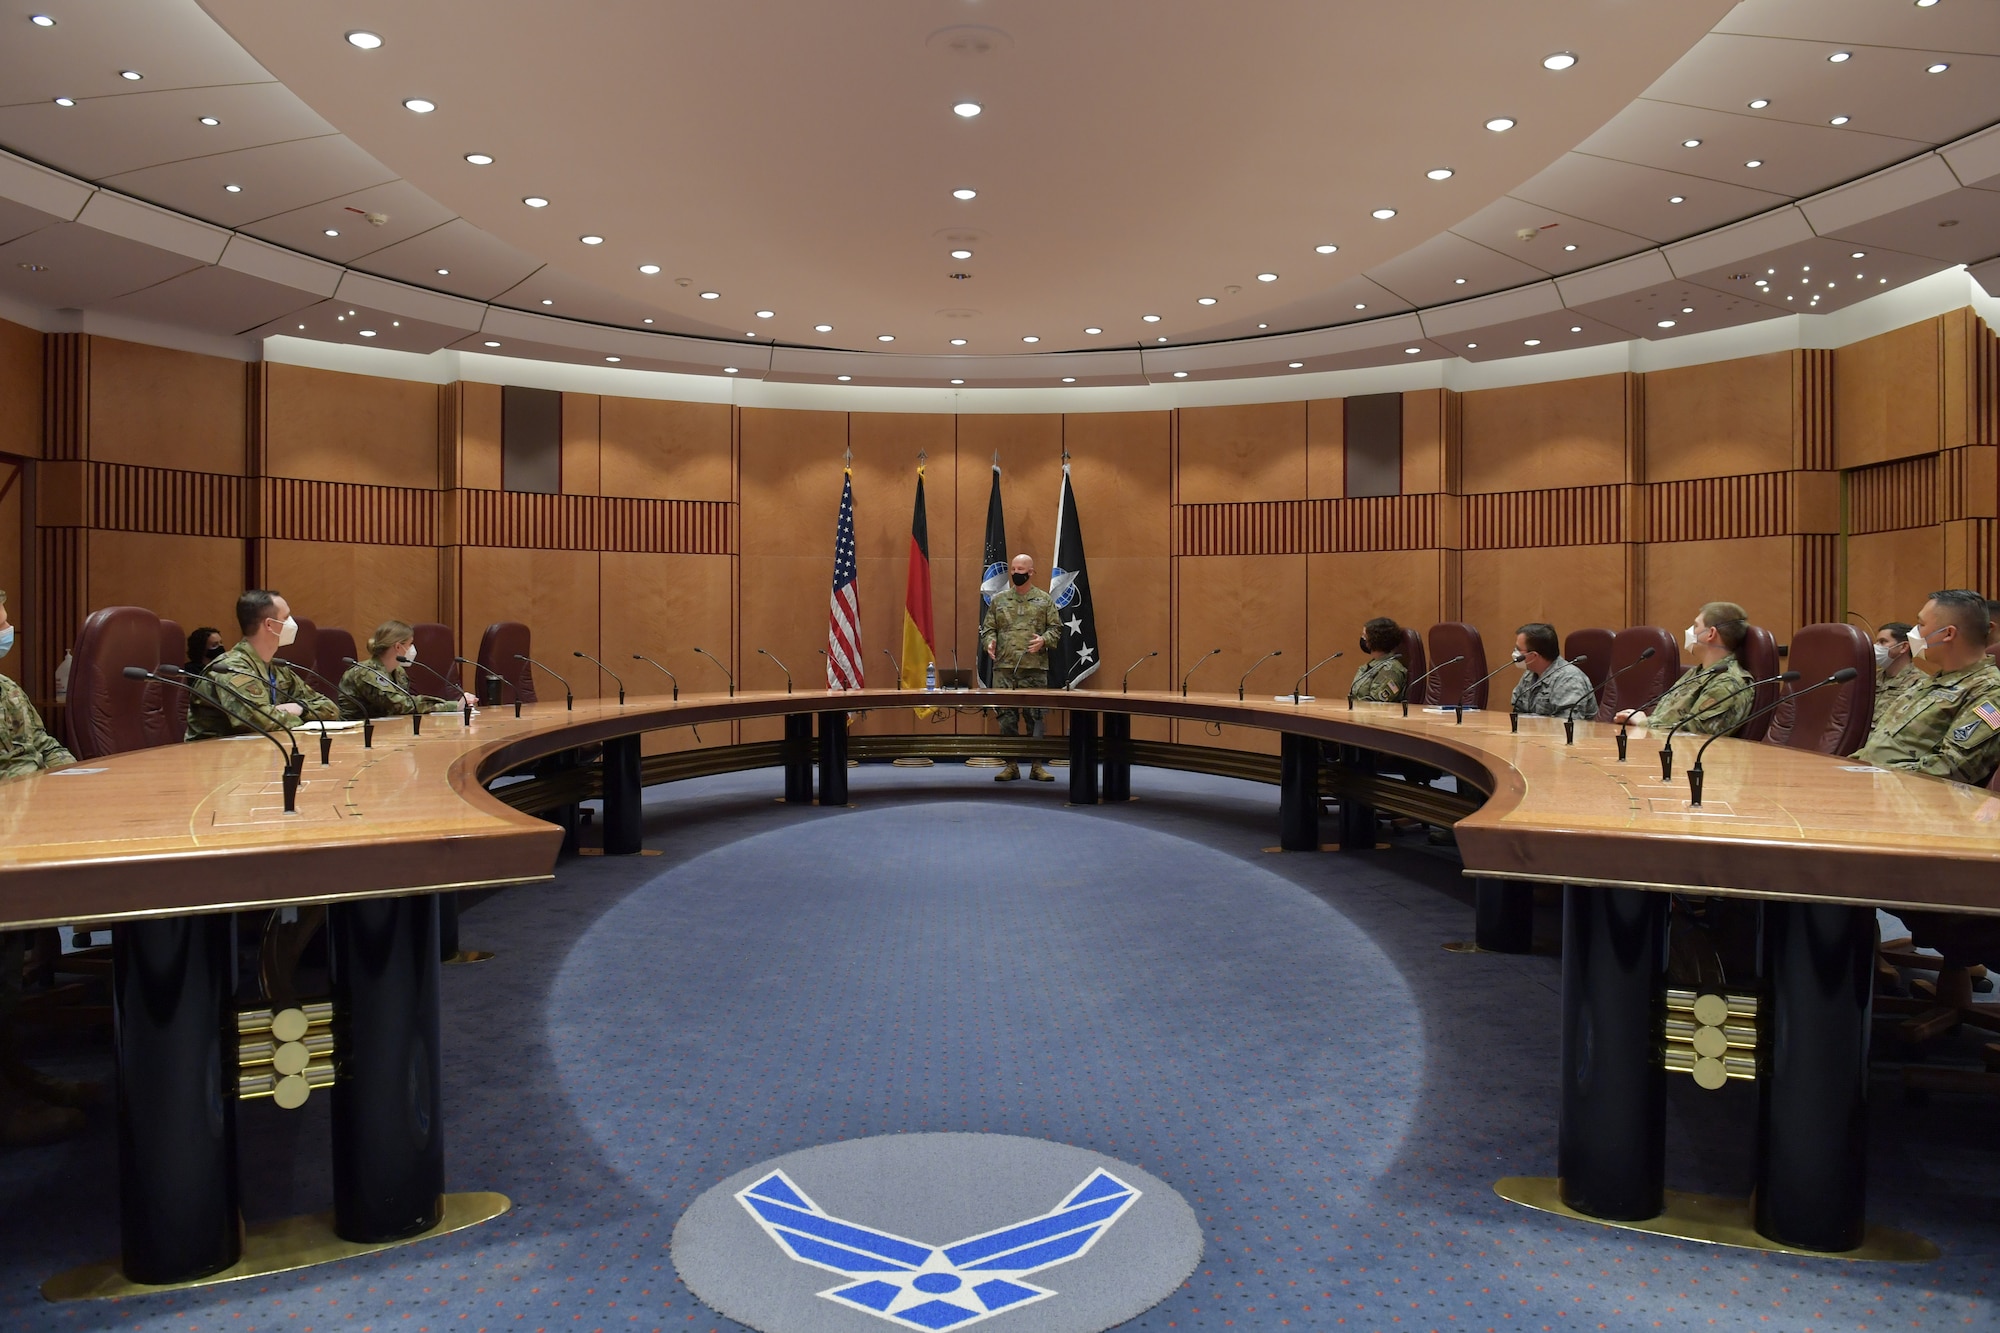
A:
x: 1715, y: 697
x: 1382, y: 677
x: 278, y: 699
x: 1894, y: 671
x: 1552, y: 687
x: 1949, y: 725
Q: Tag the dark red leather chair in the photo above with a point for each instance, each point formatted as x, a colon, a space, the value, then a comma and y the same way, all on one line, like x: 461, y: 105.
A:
x: 302, y: 651
x: 1642, y: 686
x: 1594, y: 645
x: 333, y: 645
x: 1759, y: 655
x: 108, y: 714
x: 1835, y: 718
x: 498, y: 648
x: 1454, y: 684
x: 1413, y: 658
x: 436, y: 646
x: 169, y: 715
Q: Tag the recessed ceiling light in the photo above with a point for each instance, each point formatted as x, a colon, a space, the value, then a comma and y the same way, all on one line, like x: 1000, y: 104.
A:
x: 649, y: 269
x: 1067, y: 379
x: 1267, y: 277
x: 480, y: 159
x: 1326, y: 249
x: 967, y: 109
x: 1859, y: 254
x: 1412, y: 351
x: 367, y: 41
x: 1838, y: 120
x: 41, y: 20
x: 1263, y: 326
x: 444, y: 273
x: 1471, y: 347
x: 614, y: 358
x: 419, y: 105
x: 958, y: 342
x: 1360, y: 305
x: 822, y: 328
x: 1150, y: 319
x: 131, y: 74
x: 535, y: 201
x: 591, y: 240
x: 1759, y: 103
x: 1568, y: 247
x: 1093, y: 331
x: 1559, y: 60
x: 1440, y: 173
x: 1380, y: 215
x: 1031, y: 338
x: 766, y: 314
x: 1297, y: 365
x: 1666, y: 323
x: 547, y: 300
x: 961, y: 254
x: 965, y: 194
x: 729, y: 370
x: 1687, y: 310
x: 885, y: 337
x: 1754, y: 162
x: 1180, y: 374
x: 1925, y: 4
x: 751, y: 334
x: 1677, y: 199
x: 647, y: 320
x: 1458, y: 282
x: 1938, y: 68
x: 843, y: 378
x: 1690, y: 143
x: 1204, y: 300
x: 368, y: 333
x: 1500, y: 124
x: 1576, y: 328
x: 233, y: 189
x: 210, y: 121
x: 1531, y: 342
x: 1840, y: 57
x: 492, y: 344
x: 711, y: 296
x: 65, y: 101
x: 332, y: 231
x: 962, y: 381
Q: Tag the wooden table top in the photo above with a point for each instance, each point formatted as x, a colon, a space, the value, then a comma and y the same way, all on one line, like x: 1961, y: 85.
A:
x: 201, y: 827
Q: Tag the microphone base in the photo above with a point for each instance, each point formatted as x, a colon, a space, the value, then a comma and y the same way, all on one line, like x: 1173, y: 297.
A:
x: 416, y: 724
x: 325, y: 748
x: 468, y: 715
x: 1514, y: 723
x: 1667, y: 763
x: 1694, y: 785
x: 1621, y: 745
x: 291, y: 785
x: 1458, y: 719
x: 1569, y: 731
x: 367, y: 733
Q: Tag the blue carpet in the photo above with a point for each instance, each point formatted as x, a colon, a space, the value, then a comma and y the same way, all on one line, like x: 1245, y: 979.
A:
x: 1278, y: 1037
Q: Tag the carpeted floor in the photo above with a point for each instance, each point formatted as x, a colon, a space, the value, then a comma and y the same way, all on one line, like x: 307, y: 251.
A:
x: 1279, y: 1037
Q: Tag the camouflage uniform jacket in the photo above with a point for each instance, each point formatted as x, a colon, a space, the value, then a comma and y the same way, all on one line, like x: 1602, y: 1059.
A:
x: 1380, y: 681
x: 216, y: 712
x: 362, y: 694
x: 1949, y: 727
x: 1717, y: 697
x: 1015, y: 616
x: 1561, y: 691
x: 1888, y: 689
x: 25, y: 746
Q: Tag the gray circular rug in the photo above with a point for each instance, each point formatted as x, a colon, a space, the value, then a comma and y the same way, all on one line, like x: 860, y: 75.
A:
x: 937, y: 1231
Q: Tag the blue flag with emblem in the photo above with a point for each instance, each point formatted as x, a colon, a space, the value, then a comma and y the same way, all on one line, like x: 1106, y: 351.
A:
x: 1074, y: 656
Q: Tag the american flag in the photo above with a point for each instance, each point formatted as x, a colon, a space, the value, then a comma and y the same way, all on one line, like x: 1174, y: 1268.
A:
x: 844, y: 670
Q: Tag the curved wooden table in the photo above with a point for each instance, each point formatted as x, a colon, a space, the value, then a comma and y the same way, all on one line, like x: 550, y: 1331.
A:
x: 166, y: 842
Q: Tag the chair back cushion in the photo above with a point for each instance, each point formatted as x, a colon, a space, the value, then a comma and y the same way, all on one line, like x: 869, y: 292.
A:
x: 304, y: 650
x: 1760, y: 659
x: 1594, y: 646
x: 1835, y: 718
x: 331, y: 645
x: 498, y: 648
x: 436, y: 646
x: 1643, y: 684
x: 108, y: 714
x: 1449, y: 685
x: 1413, y: 658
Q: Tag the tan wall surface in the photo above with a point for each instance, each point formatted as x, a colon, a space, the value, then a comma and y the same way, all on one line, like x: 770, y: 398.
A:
x: 1537, y: 436
x: 161, y: 408
x: 193, y: 580
x: 1890, y: 574
x: 20, y: 390
x: 1570, y: 587
x: 355, y: 587
x: 1721, y: 419
x: 1253, y: 452
x: 554, y: 593
x: 337, y: 427
x: 1886, y: 399
x: 1754, y: 572
x: 676, y: 451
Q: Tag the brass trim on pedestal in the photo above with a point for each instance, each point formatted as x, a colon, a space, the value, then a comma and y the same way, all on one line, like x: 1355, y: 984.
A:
x: 1711, y: 1035
x: 275, y: 1247
x: 284, y: 1055
x: 1714, y: 1220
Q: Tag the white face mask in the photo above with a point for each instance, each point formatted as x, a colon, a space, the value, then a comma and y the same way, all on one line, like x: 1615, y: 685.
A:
x: 408, y: 657
x: 6, y: 641
x: 1520, y: 656
x: 288, y: 633
x: 1881, y: 657
x: 1688, y: 639
x: 1916, y: 643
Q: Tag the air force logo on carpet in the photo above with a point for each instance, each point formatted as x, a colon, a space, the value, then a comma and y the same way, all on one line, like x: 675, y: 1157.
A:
x: 937, y: 1286
x: 993, y: 1211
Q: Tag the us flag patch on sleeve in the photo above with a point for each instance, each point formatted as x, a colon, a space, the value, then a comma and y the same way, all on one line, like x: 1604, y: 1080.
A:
x: 1989, y: 713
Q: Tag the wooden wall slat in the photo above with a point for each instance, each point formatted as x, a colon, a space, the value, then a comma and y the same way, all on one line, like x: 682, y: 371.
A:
x: 1298, y: 527
x: 1888, y: 496
x: 1756, y: 504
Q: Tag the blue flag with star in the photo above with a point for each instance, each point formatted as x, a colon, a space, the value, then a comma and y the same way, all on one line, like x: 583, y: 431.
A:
x: 1074, y: 656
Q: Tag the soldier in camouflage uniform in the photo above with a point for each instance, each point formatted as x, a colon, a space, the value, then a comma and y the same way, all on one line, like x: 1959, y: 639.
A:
x: 1380, y: 679
x: 1715, y: 697
x: 25, y: 745
x: 1021, y: 623
x: 252, y: 667
x: 1895, y: 672
x: 1552, y: 687
x: 363, y: 693
x: 1947, y: 725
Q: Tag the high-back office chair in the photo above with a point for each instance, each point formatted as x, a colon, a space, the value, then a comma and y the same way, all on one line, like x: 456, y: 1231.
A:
x: 1413, y: 659
x: 303, y: 650
x: 1642, y: 685
x: 1834, y: 719
x: 108, y: 714
x: 498, y: 648
x: 1453, y: 684
x: 436, y: 646
x: 1595, y: 646
x: 331, y: 645
x: 1759, y: 655
x: 170, y: 716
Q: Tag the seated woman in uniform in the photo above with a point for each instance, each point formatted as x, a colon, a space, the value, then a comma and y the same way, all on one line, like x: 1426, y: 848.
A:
x: 1381, y: 678
x: 380, y: 687
x: 1714, y: 698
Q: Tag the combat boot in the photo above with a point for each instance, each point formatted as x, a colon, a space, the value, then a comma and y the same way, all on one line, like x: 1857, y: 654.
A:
x: 1011, y: 773
x: 1040, y: 774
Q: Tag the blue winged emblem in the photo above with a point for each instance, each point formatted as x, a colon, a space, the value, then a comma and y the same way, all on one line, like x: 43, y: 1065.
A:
x: 936, y: 1286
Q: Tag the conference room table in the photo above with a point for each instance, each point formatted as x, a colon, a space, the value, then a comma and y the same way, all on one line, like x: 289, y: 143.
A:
x: 167, y: 844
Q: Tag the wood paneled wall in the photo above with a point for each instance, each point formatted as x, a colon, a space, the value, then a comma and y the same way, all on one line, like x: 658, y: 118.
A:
x: 1802, y: 484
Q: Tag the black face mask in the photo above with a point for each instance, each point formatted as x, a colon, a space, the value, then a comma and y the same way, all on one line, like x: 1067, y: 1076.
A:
x: 1364, y: 646
x: 1020, y: 579
x: 210, y: 654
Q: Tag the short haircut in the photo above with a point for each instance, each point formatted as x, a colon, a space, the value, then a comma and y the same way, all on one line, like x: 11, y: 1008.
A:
x: 1730, y: 620
x: 253, y: 608
x: 1382, y: 635
x: 386, y: 633
x: 198, y: 641
x: 1966, y: 609
x: 1898, y: 631
x: 1541, y: 639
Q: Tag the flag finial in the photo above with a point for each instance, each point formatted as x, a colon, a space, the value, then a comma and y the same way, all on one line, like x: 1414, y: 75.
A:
x: 847, y: 456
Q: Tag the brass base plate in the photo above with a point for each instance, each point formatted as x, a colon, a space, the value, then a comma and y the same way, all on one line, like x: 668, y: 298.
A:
x: 985, y: 763
x: 1462, y: 946
x: 909, y: 762
x: 1325, y: 846
x: 470, y: 956
x: 274, y: 1247
x: 1714, y: 1220
x: 643, y: 851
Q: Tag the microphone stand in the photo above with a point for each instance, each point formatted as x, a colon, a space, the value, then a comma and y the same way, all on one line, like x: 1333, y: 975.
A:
x: 641, y: 657
x: 493, y: 676
x: 294, y: 762
x: 1190, y: 671
x: 1514, y: 717
x: 895, y: 668
x: 1840, y: 677
x: 607, y: 671
x: 1667, y: 749
x: 1411, y: 685
x: 1125, y: 684
x: 1645, y: 656
x: 1299, y: 684
x: 416, y: 717
x: 1244, y: 678
x: 457, y: 688
x: 325, y: 736
x: 781, y: 666
x: 725, y: 671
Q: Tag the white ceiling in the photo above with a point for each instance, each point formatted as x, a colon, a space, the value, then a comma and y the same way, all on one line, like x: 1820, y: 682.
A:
x: 1133, y: 155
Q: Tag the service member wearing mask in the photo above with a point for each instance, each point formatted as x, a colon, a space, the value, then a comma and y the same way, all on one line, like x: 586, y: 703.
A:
x: 278, y: 699
x: 1552, y: 687
x: 25, y: 744
x: 392, y: 649
x: 1381, y: 678
x: 1946, y: 725
x: 1714, y: 698
x: 204, y: 646
x: 1021, y: 623
x: 1895, y: 672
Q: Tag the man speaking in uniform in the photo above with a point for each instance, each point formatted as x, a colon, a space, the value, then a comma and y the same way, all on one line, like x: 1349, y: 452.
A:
x: 1021, y: 623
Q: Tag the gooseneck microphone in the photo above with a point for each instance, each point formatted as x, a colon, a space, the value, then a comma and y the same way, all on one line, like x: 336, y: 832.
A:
x: 725, y: 670
x: 417, y: 712
x: 293, y: 761
x: 1190, y: 671
x: 895, y: 668
x: 1598, y: 694
x: 782, y: 667
x: 296, y: 757
x: 569, y: 698
x: 1300, y: 683
x: 457, y: 688
x: 1667, y: 749
x: 1411, y: 685
x: 1840, y: 677
x: 325, y: 736
x: 641, y: 657
x: 1124, y: 685
x: 607, y: 671
x: 1245, y: 677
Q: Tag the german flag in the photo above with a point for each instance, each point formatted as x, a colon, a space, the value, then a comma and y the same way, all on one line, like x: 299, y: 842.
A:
x: 919, y: 640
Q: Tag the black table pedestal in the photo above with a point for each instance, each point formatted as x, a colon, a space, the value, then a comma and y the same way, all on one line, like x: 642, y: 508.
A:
x: 1298, y: 793
x: 1116, y: 753
x: 1082, y: 757
x: 833, y: 758
x: 623, y: 825
x: 1612, y: 1143
x: 798, y: 758
x: 1357, y: 821
x: 1503, y: 915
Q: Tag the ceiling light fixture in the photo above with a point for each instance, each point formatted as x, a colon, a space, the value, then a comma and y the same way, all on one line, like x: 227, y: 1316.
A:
x: 1687, y: 310
x: 1440, y: 173
x: 1500, y: 124
x: 885, y: 337
x: 729, y: 370
x: 548, y: 300
x: 1204, y: 300
x: 331, y: 231
x: 1067, y: 379
x: 843, y: 378
x: 1568, y: 248
x: 1263, y: 326
x: 1360, y: 305
x: 233, y: 189
x: 1267, y: 277
x: 711, y: 296
x: 614, y: 358
x: 131, y: 74
x: 1150, y: 319
x: 1458, y: 282
x: 1690, y: 143
x: 41, y: 20
x: 421, y: 106
x: 1531, y: 342
x: 1759, y: 103
x: 1180, y: 374
x: 1559, y: 60
x: 1925, y: 4
x: 1326, y: 249
x: 1412, y: 351
x: 492, y: 344
x: 1938, y: 68
x: 958, y: 342
x: 591, y: 240
x: 1666, y: 323
x: 1380, y: 215
x: 962, y: 381
x: 366, y: 41
x: 1839, y: 120
x: 1159, y: 340
x: 65, y: 101
x: 1677, y: 199
x: 1470, y: 347
x: 210, y: 121
x: 480, y: 159
x: 1576, y: 328
x: 649, y: 269
x: 965, y: 194
x: 766, y: 314
x: 1754, y: 162
x: 822, y: 328
x: 1030, y: 338
x: 961, y: 254
x: 1840, y: 57
x: 967, y: 110
x: 368, y: 333
x: 444, y: 273
x: 1093, y: 331
x: 535, y: 201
